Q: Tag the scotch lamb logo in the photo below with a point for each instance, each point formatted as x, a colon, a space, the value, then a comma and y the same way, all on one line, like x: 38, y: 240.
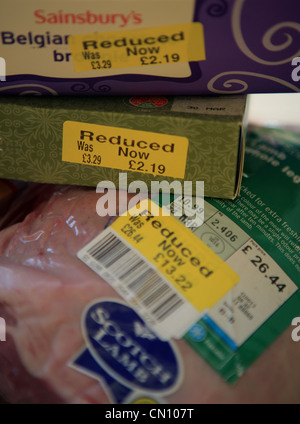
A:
x: 148, y: 102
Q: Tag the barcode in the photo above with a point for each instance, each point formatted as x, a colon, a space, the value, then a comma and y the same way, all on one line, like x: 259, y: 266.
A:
x: 148, y: 286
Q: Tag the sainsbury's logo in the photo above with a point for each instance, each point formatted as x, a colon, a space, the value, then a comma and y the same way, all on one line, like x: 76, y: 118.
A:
x: 87, y: 17
x: 2, y: 69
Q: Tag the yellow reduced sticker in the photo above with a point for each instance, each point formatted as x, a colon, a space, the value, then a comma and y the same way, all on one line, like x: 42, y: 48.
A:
x: 124, y: 149
x: 144, y: 401
x: 184, y: 260
x: 140, y: 47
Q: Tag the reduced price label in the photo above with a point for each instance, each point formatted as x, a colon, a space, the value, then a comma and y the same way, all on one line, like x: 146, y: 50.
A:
x: 138, y: 48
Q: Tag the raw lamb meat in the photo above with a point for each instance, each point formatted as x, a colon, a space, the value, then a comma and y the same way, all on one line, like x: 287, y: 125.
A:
x: 44, y: 289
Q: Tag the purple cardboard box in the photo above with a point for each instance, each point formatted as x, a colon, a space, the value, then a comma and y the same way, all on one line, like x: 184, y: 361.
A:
x: 141, y: 47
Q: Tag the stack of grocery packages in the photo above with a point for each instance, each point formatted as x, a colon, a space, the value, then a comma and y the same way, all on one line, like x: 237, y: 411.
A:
x: 149, y: 239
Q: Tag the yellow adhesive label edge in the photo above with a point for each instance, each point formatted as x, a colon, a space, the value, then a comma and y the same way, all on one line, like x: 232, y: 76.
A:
x: 162, y: 45
x: 124, y: 149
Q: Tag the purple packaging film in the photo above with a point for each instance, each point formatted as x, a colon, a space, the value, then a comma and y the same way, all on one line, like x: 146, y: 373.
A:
x: 250, y: 46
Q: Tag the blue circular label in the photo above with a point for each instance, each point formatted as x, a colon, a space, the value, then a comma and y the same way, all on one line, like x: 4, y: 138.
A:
x: 197, y: 333
x: 127, y: 349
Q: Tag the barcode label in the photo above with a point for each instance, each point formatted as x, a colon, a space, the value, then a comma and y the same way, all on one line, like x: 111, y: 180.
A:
x: 164, y: 308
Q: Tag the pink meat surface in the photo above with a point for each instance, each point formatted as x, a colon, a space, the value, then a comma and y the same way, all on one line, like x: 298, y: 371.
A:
x: 44, y: 289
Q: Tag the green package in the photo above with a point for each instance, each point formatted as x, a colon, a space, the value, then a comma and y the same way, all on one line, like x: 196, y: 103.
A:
x: 258, y: 235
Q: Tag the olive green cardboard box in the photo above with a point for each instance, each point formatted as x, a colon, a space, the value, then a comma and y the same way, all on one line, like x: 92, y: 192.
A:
x: 86, y: 140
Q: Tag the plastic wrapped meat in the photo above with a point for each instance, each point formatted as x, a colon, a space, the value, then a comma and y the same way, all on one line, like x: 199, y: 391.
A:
x: 44, y: 289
